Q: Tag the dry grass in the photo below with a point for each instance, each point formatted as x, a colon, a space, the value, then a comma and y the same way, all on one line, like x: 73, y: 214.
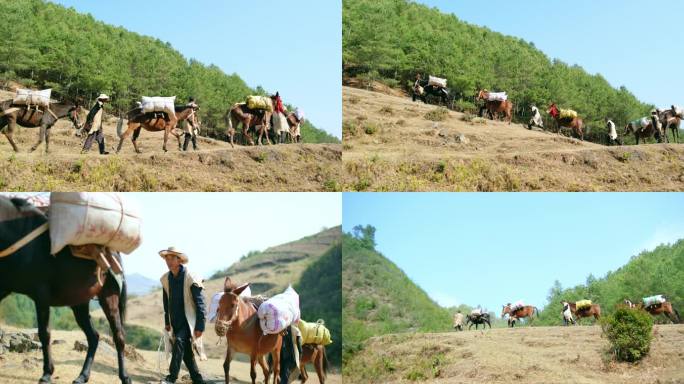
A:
x: 411, y: 153
x: 521, y: 355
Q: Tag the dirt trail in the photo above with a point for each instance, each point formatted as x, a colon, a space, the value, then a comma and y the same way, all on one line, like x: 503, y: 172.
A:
x: 215, y: 167
x: 521, y: 355
x: 389, y: 144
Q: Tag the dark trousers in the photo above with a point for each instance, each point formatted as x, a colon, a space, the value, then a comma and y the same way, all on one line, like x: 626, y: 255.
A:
x: 182, y: 351
x: 188, y: 137
x: 99, y: 137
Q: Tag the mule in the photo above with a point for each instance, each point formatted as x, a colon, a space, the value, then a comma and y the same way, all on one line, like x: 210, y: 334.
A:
x: 494, y: 108
x: 237, y: 321
x: 658, y: 309
x: 673, y: 121
x: 643, y: 133
x: 527, y: 311
x: 314, y: 354
x: 240, y: 113
x: 430, y: 92
x: 154, y: 122
x: 473, y: 319
x: 593, y: 311
x: 11, y: 115
x: 576, y: 123
x: 295, y: 127
x: 55, y: 281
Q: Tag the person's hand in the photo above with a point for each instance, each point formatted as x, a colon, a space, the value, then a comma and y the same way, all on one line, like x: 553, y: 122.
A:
x: 198, y: 334
x: 168, y: 328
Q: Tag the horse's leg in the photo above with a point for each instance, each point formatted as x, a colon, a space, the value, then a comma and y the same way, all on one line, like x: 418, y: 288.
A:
x: 226, y: 364
x: 123, y: 137
x: 82, y: 316
x: 252, y: 367
x: 134, y: 139
x: 245, y: 126
x: 41, y: 135
x: 166, y: 137
x: 43, y: 317
x: 276, y: 362
x: 11, y: 126
x: 109, y: 299
x: 264, y: 367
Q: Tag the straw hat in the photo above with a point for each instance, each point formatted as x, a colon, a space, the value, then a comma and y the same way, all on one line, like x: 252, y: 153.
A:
x: 172, y: 251
x: 103, y: 97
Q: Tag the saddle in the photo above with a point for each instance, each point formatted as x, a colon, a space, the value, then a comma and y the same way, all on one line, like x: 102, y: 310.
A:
x: 100, y: 254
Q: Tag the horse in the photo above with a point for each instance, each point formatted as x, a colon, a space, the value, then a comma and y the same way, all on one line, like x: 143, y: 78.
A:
x: 594, y: 310
x: 496, y: 107
x: 11, y: 115
x: 643, y: 132
x: 427, y: 90
x: 240, y: 113
x: 658, y: 309
x: 154, y: 122
x: 295, y: 127
x: 237, y: 320
x: 27, y: 267
x: 314, y: 354
x: 671, y: 120
x: 576, y: 123
x: 527, y: 311
x: 478, y: 319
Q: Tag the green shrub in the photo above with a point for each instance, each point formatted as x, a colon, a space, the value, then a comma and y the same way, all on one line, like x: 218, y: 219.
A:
x: 437, y: 114
x: 370, y: 128
x: 629, y: 332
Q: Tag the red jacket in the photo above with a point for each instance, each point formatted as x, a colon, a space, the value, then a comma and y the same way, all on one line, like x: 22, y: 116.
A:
x: 279, y: 105
x: 553, y: 110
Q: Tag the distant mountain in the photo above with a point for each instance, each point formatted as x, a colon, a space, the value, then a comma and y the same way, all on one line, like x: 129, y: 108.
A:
x: 140, y: 285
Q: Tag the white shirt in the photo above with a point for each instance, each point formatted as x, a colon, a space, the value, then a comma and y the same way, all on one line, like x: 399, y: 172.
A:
x: 612, y: 133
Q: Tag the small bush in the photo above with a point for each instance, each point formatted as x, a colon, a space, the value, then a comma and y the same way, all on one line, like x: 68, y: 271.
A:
x: 465, y: 106
x: 629, y: 332
x: 437, y: 114
x: 387, y: 110
x: 370, y: 128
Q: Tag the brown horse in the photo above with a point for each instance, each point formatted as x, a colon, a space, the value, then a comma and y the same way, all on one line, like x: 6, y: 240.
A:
x: 240, y: 113
x: 237, y: 320
x: 55, y: 281
x: 671, y: 120
x: 643, y: 133
x: 594, y: 310
x: 154, y: 122
x: 658, y: 309
x: 295, y: 127
x: 314, y: 354
x: 11, y: 115
x: 496, y: 107
x: 523, y: 312
x: 577, y: 124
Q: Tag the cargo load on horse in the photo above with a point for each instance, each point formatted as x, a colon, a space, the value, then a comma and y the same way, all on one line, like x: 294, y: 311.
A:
x: 106, y: 219
x: 299, y: 114
x: 263, y: 103
x: 641, y: 123
x: 517, y: 305
x: 159, y: 104
x: 279, y: 312
x: 314, y: 333
x: 678, y: 111
x: 497, y: 96
x: 583, y: 304
x: 437, y: 82
x: 567, y: 114
x: 654, y: 300
x: 30, y: 98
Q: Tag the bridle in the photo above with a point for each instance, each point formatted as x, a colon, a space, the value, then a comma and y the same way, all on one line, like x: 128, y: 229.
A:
x: 223, y: 326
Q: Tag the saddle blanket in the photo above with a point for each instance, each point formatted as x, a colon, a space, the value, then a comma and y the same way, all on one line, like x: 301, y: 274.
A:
x: 437, y: 81
x: 567, y: 114
x: 159, y: 104
x: 260, y: 102
x: 314, y: 333
x: 651, y: 300
x: 497, y: 96
x: 94, y: 218
x: 582, y: 304
x: 279, y: 312
x: 31, y: 97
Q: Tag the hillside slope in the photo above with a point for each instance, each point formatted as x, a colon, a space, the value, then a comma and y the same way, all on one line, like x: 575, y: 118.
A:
x: 389, y: 144
x: 379, y: 298
x: 520, y: 355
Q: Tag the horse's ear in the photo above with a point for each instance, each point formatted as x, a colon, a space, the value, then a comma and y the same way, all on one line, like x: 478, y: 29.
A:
x: 228, y: 284
x: 241, y: 288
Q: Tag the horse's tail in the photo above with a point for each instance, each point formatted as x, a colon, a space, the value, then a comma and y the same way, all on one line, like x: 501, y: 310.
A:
x: 123, y: 298
x: 119, y: 127
x: 325, y: 363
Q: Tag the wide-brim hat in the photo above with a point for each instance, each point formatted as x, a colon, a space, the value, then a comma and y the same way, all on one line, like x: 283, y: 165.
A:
x: 103, y: 97
x: 173, y: 251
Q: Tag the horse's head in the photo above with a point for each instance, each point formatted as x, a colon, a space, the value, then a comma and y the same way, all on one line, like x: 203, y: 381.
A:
x: 74, y: 115
x: 506, y: 309
x: 481, y: 95
x: 229, y: 307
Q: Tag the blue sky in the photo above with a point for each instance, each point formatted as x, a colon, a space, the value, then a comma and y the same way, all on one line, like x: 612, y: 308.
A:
x: 493, y: 248
x: 634, y: 43
x: 298, y: 50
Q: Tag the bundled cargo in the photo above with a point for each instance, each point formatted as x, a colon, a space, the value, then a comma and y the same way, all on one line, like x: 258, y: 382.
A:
x: 31, y: 97
x: 517, y: 305
x: 279, y: 312
x: 314, y: 333
x: 583, y: 304
x: 159, y: 104
x: 567, y: 114
x: 94, y: 218
x: 437, y: 82
x: 299, y: 114
x: 641, y: 123
x: 260, y: 102
x: 677, y: 111
x: 654, y: 300
x: 497, y: 96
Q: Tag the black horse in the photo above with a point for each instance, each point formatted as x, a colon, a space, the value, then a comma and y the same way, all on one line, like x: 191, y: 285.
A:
x: 59, y: 280
x: 478, y: 319
x: 432, y: 92
x: 31, y: 118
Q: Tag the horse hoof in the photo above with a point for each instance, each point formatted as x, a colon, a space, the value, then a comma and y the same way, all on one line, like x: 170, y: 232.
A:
x: 80, y: 380
x: 126, y: 380
x: 45, y: 380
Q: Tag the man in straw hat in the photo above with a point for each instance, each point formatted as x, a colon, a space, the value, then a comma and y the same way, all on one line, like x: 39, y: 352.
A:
x: 93, y: 126
x: 184, y: 313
